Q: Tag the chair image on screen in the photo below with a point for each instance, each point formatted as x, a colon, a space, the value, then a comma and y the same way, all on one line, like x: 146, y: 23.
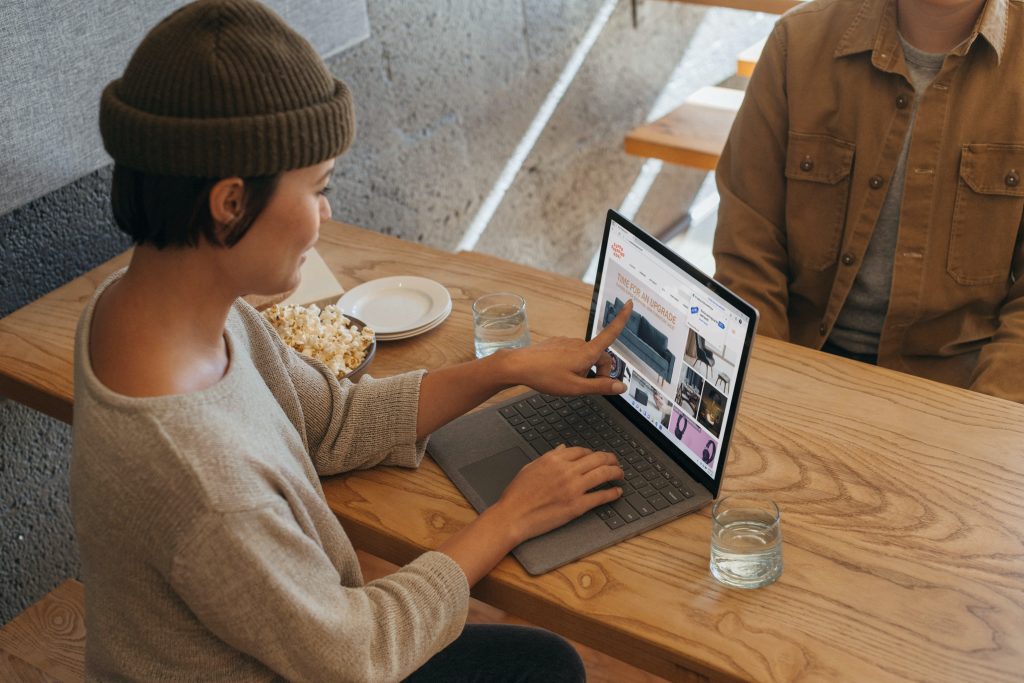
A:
x: 723, y: 379
x: 705, y: 356
x: 645, y: 341
x: 640, y: 396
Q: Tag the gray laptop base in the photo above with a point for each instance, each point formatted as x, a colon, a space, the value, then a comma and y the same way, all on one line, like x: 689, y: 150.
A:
x: 482, y: 452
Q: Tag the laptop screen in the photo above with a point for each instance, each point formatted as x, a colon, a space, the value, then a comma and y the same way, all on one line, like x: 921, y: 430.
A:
x: 683, y: 352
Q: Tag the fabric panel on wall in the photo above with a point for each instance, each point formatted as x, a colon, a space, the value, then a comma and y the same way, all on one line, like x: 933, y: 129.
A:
x: 57, y: 55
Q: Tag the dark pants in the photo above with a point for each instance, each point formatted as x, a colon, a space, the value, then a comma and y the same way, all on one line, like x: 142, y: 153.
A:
x: 505, y: 654
x: 869, y: 358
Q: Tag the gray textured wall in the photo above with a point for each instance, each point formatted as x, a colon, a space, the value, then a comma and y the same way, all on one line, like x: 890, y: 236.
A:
x: 444, y: 91
x: 58, y: 56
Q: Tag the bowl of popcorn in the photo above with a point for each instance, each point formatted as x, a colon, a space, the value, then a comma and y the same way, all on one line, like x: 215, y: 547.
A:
x: 342, y: 343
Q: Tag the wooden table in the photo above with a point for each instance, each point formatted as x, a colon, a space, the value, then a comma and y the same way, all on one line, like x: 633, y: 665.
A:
x: 901, y: 502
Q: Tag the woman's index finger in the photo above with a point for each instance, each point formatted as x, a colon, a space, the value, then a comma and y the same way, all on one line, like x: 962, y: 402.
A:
x: 613, y: 329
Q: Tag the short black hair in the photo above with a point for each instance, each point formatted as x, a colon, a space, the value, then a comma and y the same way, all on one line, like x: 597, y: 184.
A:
x: 174, y: 211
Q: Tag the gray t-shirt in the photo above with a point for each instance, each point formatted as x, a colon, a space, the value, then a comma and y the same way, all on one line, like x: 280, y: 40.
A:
x: 859, y: 325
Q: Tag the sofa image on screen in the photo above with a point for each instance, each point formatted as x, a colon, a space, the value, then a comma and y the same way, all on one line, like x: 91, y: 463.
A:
x: 645, y: 341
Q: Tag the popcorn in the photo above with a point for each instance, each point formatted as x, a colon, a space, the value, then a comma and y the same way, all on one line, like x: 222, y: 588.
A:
x: 326, y: 335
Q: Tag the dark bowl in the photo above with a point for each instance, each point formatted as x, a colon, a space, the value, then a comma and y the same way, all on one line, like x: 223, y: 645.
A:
x: 360, y: 370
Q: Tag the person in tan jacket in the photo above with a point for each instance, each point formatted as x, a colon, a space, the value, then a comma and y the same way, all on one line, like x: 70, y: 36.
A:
x: 871, y: 188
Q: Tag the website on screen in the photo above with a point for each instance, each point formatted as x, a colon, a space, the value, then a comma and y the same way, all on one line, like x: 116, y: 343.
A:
x: 679, y: 352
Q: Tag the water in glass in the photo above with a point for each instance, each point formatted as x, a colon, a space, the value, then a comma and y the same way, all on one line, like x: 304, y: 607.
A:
x: 746, y: 546
x: 499, y: 325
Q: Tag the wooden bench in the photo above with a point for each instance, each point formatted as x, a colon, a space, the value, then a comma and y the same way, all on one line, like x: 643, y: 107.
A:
x: 693, y: 134
x: 747, y: 60
x: 46, y: 642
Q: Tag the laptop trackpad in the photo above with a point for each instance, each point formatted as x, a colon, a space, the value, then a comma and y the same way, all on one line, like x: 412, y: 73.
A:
x: 490, y: 476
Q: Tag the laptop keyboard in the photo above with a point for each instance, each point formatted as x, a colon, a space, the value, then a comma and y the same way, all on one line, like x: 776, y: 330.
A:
x: 647, y: 485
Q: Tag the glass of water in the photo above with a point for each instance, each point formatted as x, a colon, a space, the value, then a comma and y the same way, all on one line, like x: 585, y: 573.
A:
x: 746, y: 541
x: 499, y: 322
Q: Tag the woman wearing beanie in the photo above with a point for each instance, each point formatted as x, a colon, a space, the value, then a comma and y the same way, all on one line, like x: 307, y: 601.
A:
x: 208, y: 550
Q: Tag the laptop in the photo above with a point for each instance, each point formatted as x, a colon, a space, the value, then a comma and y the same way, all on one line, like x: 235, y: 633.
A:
x: 682, y: 355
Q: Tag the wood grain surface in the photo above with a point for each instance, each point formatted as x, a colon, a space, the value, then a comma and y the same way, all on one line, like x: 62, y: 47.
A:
x: 899, y: 566
x: 747, y: 60
x: 901, y: 515
x: 600, y: 667
x: 693, y: 134
x: 46, y: 642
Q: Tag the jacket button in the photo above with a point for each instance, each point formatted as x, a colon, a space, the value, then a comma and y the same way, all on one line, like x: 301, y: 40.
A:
x: 821, y: 330
x: 807, y: 164
x: 1012, y: 179
x: 849, y: 259
x: 901, y: 101
x: 876, y: 182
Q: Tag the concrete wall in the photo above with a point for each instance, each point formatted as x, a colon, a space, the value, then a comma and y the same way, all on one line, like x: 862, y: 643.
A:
x: 444, y: 91
x: 58, y: 56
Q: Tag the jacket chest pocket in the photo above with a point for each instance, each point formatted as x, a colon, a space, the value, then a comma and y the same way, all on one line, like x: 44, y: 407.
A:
x: 987, y: 214
x: 817, y: 190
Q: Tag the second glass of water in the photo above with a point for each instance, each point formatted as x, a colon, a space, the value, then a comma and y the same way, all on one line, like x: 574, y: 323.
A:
x: 746, y: 541
x: 499, y: 322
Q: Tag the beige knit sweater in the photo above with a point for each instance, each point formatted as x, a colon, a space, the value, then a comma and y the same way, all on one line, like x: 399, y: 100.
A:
x: 208, y: 550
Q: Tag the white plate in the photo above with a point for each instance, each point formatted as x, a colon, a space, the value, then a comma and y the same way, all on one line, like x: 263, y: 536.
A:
x: 395, y: 305
x: 420, y: 330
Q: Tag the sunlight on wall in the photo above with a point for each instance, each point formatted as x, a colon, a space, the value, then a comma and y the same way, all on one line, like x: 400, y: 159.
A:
x: 540, y: 121
x: 669, y: 98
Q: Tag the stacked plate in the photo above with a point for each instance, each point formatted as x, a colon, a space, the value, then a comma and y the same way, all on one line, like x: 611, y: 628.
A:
x: 398, y: 307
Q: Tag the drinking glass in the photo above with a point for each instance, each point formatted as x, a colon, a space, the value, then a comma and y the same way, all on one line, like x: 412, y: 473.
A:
x: 499, y: 322
x: 746, y: 541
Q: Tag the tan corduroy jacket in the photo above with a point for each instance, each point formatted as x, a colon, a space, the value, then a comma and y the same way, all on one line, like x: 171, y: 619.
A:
x: 807, y: 164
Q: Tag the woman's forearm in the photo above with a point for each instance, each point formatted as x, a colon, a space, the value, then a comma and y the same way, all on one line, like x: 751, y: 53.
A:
x: 447, y: 393
x: 478, y: 547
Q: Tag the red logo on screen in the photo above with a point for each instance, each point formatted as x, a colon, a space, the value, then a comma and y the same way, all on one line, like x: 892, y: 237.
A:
x: 617, y: 250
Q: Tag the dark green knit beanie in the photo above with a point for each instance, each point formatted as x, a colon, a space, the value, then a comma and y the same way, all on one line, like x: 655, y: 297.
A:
x: 225, y: 88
